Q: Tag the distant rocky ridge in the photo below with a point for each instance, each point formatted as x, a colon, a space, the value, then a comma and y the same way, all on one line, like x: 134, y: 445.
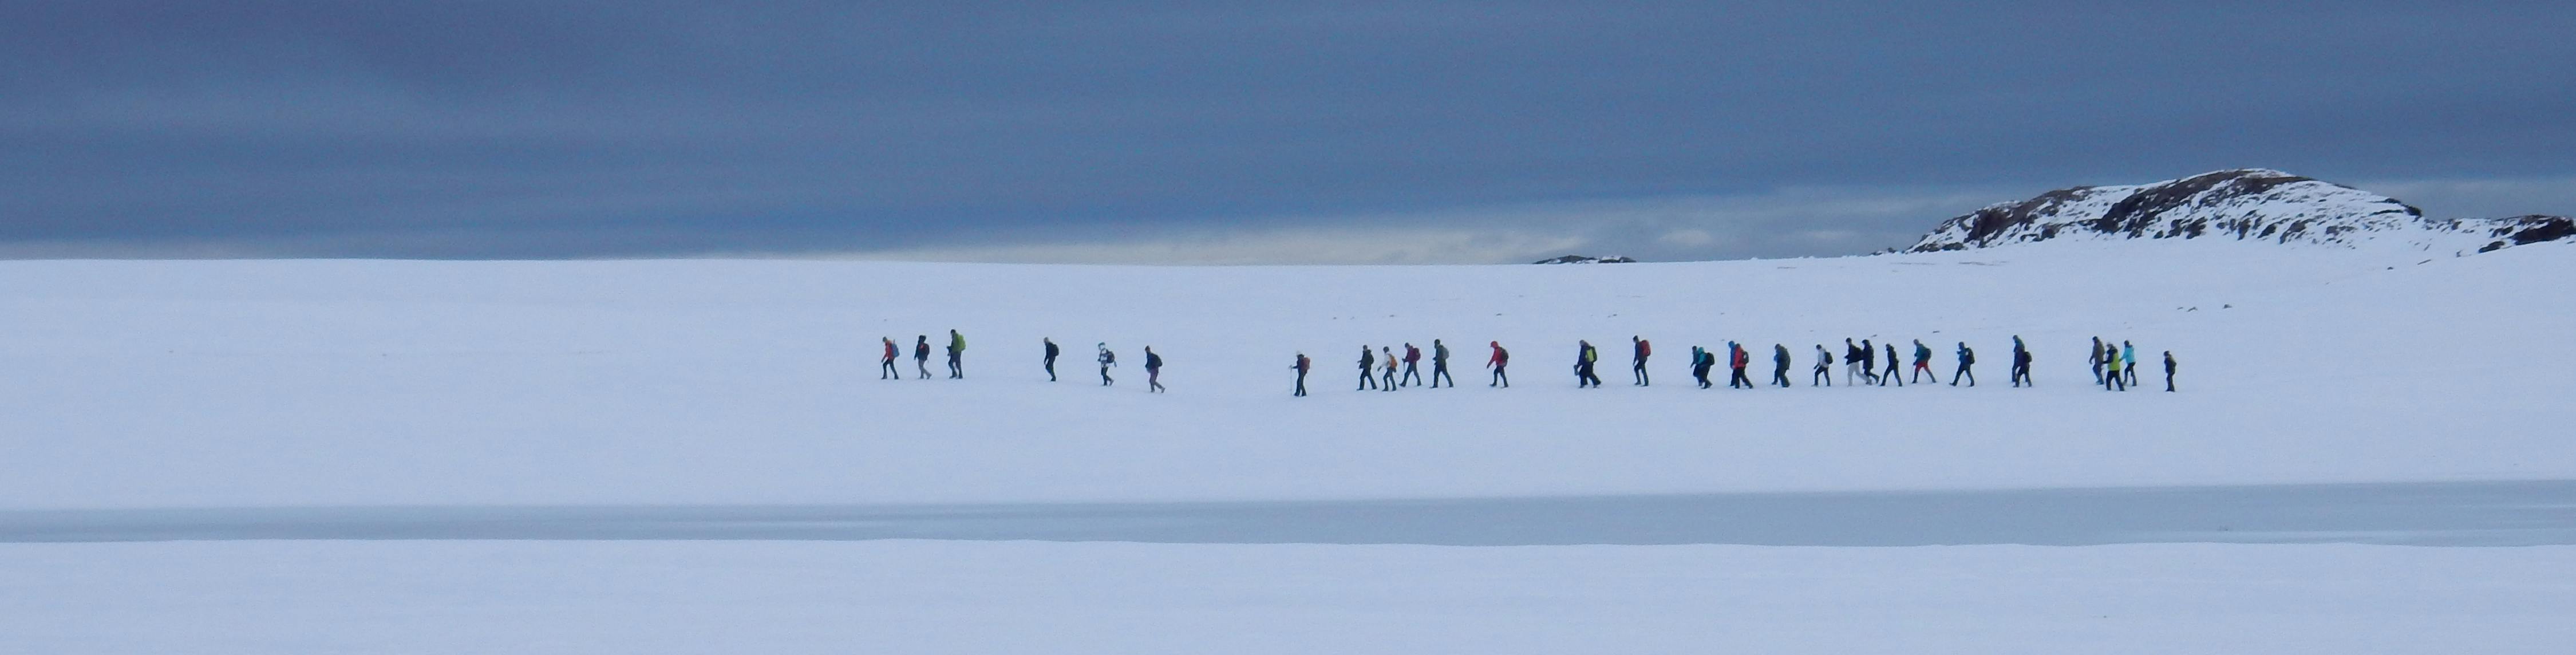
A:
x: 1580, y: 259
x: 2243, y: 205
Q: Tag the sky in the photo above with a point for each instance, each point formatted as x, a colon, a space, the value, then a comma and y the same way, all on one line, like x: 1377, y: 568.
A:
x: 1221, y: 133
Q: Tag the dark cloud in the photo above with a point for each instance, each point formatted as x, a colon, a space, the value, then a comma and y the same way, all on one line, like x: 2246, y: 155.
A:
x: 568, y: 129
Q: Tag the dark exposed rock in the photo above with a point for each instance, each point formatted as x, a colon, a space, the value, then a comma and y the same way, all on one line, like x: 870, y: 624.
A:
x: 1580, y: 259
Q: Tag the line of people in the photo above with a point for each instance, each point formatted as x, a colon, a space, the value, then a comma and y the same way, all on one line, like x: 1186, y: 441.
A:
x: 921, y: 357
x: 1379, y: 369
x: 957, y: 365
x: 2114, y: 365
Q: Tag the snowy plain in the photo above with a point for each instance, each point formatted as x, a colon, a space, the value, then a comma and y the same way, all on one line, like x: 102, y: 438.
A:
x: 257, y: 386
x: 267, y: 383
x: 1029, y: 597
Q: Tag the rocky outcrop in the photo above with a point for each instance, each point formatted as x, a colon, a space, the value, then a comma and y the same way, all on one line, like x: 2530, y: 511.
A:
x: 1580, y: 259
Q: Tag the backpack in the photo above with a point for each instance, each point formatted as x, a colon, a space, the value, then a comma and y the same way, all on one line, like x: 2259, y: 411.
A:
x: 1153, y: 360
x: 1502, y: 356
x: 1645, y: 348
x: 1412, y: 354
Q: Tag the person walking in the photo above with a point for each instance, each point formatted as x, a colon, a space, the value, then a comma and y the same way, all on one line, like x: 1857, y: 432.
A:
x: 1051, y: 352
x: 921, y: 356
x: 1584, y: 359
x: 886, y: 365
x: 1736, y: 359
x: 2021, y: 368
x: 1440, y: 365
x: 1923, y: 362
x: 956, y: 355
x: 1869, y: 362
x: 1501, y: 359
x: 1368, y: 369
x: 1412, y: 365
x: 1824, y: 375
x: 1107, y: 359
x: 1967, y: 359
x: 1642, y: 350
x: 2129, y: 361
x: 1390, y: 369
x: 1851, y: 361
x: 1780, y: 365
x: 1302, y: 366
x: 2096, y: 360
x: 1891, y: 375
x: 2169, y: 369
x: 1701, y: 361
x: 2111, y: 378
x: 1153, y: 371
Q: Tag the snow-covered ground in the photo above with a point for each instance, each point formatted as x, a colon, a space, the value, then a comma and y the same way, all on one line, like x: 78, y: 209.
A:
x: 265, y: 383
x: 1027, y: 597
x: 336, y: 384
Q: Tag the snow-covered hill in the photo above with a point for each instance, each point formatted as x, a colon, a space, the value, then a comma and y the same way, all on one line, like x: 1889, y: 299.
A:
x: 2238, y: 205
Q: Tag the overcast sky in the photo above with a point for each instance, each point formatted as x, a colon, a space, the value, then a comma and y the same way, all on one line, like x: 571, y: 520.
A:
x: 1288, y: 132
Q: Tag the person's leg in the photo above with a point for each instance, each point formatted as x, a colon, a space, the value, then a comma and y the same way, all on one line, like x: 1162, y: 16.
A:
x: 2169, y: 381
x: 1498, y: 375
